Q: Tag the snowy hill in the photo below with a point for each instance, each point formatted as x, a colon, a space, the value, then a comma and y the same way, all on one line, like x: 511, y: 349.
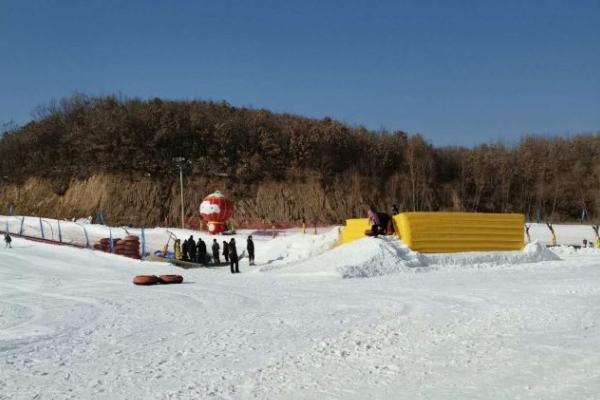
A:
x: 472, y: 325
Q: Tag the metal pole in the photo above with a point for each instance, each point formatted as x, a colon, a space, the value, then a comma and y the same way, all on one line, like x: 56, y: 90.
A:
x: 181, y: 184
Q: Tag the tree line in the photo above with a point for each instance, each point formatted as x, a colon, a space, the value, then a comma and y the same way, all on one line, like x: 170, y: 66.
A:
x: 81, y: 136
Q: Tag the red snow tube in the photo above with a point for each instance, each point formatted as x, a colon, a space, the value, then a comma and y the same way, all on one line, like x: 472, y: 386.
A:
x: 170, y: 278
x: 146, y: 280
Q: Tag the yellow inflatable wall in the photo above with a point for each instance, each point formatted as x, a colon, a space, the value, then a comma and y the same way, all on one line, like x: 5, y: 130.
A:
x: 354, y: 229
x: 445, y: 232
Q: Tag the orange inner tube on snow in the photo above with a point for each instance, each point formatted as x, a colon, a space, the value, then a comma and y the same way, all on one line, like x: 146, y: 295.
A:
x: 170, y: 278
x: 146, y: 280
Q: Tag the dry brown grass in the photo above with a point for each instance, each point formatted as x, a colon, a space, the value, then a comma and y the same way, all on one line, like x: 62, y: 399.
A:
x: 146, y: 201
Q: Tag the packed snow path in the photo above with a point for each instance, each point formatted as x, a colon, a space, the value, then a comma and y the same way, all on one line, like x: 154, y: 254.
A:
x: 73, y: 326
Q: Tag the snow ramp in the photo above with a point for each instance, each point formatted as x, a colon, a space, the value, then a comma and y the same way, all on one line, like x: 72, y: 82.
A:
x: 371, y: 257
x: 360, y: 259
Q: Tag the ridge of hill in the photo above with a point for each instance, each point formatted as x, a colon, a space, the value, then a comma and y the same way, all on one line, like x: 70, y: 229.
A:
x: 85, y: 153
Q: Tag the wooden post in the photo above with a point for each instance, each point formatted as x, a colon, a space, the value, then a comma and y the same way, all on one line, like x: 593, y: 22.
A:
x: 553, y: 234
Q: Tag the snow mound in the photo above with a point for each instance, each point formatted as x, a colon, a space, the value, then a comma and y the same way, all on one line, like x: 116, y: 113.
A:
x: 295, y: 248
x: 536, y: 252
x: 371, y: 257
x: 570, y: 250
x: 377, y: 257
x: 532, y: 253
x: 363, y: 258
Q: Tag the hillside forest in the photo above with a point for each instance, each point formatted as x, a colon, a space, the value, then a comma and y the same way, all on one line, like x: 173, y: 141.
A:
x: 82, y: 154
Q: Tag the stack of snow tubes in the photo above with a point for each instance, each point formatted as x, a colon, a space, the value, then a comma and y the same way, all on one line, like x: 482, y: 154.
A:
x: 104, y: 244
x: 129, y: 246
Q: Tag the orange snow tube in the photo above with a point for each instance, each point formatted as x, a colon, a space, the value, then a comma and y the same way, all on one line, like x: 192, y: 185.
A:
x: 146, y: 280
x: 170, y: 278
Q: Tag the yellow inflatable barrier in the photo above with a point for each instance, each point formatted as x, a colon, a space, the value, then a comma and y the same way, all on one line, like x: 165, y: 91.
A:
x: 354, y: 229
x: 446, y: 232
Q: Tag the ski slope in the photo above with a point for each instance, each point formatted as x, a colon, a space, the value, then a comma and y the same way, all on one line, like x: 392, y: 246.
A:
x: 368, y: 319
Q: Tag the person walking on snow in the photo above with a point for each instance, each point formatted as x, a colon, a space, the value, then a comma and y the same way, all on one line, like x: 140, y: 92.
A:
x: 250, y: 248
x: 7, y: 240
x: 215, y: 251
x: 233, y: 258
x: 225, y: 251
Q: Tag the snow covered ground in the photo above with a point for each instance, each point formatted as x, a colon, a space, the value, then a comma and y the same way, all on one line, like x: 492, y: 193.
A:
x: 302, y: 324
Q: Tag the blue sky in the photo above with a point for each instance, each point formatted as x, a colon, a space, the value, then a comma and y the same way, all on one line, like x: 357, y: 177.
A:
x: 459, y: 72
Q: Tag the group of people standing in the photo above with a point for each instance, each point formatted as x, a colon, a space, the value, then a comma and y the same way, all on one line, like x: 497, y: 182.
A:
x: 191, y: 250
x: 196, y: 252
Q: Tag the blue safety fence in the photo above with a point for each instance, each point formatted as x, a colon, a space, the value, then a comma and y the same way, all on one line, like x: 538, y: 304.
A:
x: 42, y: 229
x: 81, y: 234
x: 143, y: 239
x: 111, y: 244
x: 59, y: 232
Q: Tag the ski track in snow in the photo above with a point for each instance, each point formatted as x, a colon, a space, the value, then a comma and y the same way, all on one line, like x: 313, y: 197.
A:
x: 479, y: 325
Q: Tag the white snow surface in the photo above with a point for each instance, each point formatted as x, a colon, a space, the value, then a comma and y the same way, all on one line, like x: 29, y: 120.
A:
x: 489, y: 325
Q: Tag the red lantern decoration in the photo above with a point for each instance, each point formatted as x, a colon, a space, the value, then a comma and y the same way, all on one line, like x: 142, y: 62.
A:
x: 216, y: 209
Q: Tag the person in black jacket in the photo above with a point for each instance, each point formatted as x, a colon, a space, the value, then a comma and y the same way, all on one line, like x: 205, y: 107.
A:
x: 250, y: 248
x: 385, y: 222
x: 215, y: 251
x: 7, y: 240
x: 226, y: 251
x: 201, y: 251
x: 233, y: 257
x: 192, y: 248
x: 184, y: 251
